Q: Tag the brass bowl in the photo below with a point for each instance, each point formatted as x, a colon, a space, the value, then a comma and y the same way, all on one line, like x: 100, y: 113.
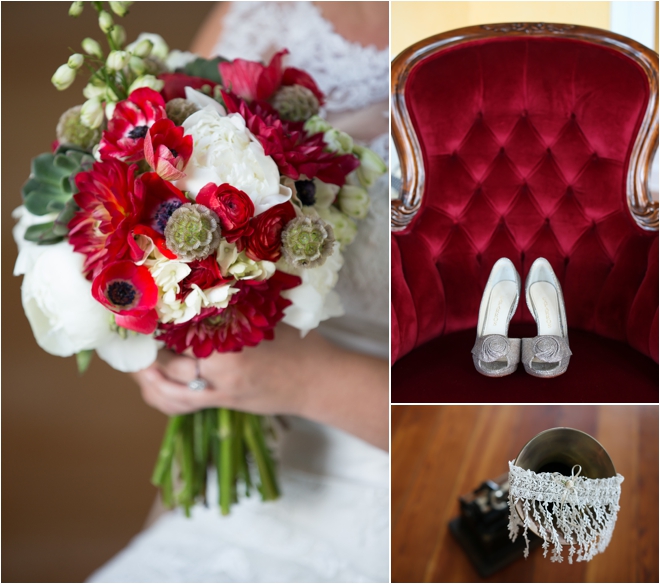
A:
x: 558, y: 450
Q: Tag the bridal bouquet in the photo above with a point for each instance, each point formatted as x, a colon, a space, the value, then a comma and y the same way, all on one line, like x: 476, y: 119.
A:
x: 191, y: 204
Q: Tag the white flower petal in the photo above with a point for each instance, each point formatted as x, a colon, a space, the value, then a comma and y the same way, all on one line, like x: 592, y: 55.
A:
x: 134, y: 353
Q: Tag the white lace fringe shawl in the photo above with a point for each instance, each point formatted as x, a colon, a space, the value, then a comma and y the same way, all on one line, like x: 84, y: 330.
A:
x: 583, y: 511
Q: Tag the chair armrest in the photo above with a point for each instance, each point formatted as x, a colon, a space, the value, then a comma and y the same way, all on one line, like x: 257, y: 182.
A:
x: 642, y: 327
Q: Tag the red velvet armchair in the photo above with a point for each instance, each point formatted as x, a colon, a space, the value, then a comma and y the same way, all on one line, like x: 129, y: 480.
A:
x: 525, y: 141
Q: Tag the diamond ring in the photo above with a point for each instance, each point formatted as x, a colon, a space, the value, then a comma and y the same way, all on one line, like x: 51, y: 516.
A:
x: 197, y: 384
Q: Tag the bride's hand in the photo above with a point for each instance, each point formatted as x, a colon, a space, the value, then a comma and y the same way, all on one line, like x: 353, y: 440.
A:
x: 307, y: 377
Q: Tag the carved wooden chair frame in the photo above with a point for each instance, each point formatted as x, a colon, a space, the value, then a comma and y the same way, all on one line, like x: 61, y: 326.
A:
x: 403, y: 209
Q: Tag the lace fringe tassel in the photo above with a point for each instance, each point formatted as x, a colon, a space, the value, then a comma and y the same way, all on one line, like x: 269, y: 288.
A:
x: 577, y: 510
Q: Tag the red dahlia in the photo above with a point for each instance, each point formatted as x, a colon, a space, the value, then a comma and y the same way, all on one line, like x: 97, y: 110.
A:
x: 108, y: 209
x: 294, y: 151
x: 132, y: 118
x: 249, y: 319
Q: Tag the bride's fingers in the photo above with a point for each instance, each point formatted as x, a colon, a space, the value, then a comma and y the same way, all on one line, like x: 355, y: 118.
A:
x: 169, y: 396
x: 177, y: 367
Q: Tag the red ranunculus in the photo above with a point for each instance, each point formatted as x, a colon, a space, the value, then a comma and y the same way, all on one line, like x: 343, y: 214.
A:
x: 249, y: 319
x: 131, y: 293
x: 167, y: 150
x: 232, y: 206
x: 108, y: 211
x: 158, y: 200
x: 253, y: 81
x: 266, y: 241
x: 176, y: 83
x: 132, y: 118
x: 294, y: 151
x: 205, y: 274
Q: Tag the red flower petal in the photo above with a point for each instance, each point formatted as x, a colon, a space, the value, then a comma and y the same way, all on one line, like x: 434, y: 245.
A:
x: 249, y: 319
x: 144, y: 323
x: 125, y: 288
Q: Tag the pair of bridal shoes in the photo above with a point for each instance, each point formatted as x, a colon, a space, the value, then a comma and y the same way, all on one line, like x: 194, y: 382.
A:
x: 545, y: 355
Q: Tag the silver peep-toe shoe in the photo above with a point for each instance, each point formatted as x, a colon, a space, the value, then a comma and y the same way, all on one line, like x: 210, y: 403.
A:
x: 494, y: 354
x: 548, y: 353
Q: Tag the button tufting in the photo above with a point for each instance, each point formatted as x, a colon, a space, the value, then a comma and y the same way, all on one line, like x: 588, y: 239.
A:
x: 594, y: 156
x: 524, y: 113
x: 502, y: 150
x: 572, y: 115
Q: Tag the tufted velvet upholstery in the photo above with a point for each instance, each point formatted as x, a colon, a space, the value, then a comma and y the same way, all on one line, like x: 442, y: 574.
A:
x: 526, y: 143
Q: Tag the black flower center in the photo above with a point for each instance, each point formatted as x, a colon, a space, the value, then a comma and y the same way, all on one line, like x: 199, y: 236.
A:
x: 138, y: 132
x: 163, y: 214
x: 306, y: 190
x: 174, y: 152
x: 121, y: 293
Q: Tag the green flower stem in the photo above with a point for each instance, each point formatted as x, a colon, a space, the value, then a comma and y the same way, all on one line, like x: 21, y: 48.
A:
x: 226, y: 431
x: 187, y: 464
x: 166, y: 454
x: 237, y: 454
x: 254, y: 437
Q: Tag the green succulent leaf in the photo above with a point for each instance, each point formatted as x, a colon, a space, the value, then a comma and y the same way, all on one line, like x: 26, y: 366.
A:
x: 206, y: 68
x: 43, y: 234
x: 51, y: 183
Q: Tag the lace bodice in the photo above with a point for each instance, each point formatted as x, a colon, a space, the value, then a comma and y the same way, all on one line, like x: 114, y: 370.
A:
x: 351, y: 76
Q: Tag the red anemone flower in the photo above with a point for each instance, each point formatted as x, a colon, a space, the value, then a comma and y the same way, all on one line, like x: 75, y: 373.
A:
x: 249, y: 319
x: 232, y: 206
x: 251, y: 80
x: 131, y: 293
x: 294, y: 151
x: 132, y: 118
x: 108, y: 208
x: 158, y: 200
x: 167, y: 150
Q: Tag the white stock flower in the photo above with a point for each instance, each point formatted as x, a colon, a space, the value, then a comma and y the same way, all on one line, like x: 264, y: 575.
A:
x: 225, y: 151
x: 237, y: 265
x: 146, y: 81
x: 160, y: 49
x: 167, y: 274
x: 315, y: 299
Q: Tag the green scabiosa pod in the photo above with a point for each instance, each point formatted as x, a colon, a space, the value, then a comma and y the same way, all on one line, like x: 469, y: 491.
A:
x: 192, y: 232
x: 295, y: 103
x: 307, y: 242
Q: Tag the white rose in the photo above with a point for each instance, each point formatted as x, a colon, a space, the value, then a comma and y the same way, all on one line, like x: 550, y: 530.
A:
x: 65, y: 318
x: 225, y: 151
x: 315, y: 299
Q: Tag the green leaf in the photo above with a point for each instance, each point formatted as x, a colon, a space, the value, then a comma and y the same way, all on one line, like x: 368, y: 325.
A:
x: 83, y: 359
x: 206, y: 68
x: 44, y: 169
x: 43, y: 234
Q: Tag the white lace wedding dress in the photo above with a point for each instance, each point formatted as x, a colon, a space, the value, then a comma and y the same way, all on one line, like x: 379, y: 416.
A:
x: 332, y: 522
